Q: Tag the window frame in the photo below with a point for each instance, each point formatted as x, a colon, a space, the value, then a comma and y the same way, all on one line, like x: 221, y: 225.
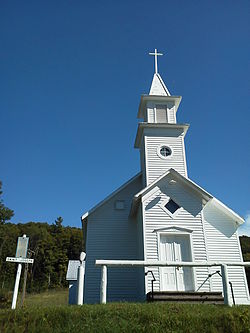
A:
x: 159, y: 151
x: 165, y: 202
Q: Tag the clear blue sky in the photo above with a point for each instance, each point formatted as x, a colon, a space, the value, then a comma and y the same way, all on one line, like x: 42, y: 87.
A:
x: 71, y: 76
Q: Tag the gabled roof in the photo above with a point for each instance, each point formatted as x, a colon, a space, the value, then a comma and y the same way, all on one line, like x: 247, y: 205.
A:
x: 158, y: 87
x: 171, y: 176
x: 85, y: 215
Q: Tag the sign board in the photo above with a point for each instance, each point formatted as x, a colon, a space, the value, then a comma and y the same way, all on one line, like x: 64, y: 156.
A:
x: 22, y: 247
x: 20, y: 260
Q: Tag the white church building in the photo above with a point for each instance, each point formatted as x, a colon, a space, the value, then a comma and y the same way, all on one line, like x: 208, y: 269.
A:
x: 161, y: 214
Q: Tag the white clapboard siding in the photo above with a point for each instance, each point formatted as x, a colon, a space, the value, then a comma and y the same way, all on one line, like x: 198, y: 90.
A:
x: 142, y: 162
x: 112, y: 235
x: 140, y: 254
x: 151, y: 115
x: 171, y: 115
x: 156, y: 218
x: 223, y: 245
x: 155, y: 165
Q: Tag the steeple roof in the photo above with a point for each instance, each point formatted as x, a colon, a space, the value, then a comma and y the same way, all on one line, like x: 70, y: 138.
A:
x: 158, y: 87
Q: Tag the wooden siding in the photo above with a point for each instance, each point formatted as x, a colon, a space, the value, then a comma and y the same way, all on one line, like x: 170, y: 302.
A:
x: 155, y: 165
x: 156, y: 219
x: 223, y: 245
x: 140, y: 253
x: 143, y: 164
x: 151, y: 115
x: 112, y: 235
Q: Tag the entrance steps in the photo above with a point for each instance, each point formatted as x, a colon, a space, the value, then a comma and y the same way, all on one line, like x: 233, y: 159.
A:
x: 186, y: 297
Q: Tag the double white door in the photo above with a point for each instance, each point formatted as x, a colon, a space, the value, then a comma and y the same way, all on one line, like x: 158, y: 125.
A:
x: 175, y: 248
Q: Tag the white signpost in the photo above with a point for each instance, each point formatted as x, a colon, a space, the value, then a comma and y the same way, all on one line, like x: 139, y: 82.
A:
x: 80, y: 279
x: 20, y: 258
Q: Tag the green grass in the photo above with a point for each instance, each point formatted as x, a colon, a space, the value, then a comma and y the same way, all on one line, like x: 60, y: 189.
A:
x: 48, y: 298
x: 121, y: 317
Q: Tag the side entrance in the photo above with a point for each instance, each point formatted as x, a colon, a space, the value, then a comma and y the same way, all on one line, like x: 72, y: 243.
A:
x: 174, y: 247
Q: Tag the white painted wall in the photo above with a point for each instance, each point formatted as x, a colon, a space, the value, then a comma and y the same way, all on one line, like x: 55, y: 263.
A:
x: 223, y: 245
x: 156, y: 219
x: 112, y: 235
x: 155, y: 165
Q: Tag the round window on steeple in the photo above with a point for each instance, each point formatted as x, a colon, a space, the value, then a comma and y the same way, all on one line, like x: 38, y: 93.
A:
x: 164, y: 151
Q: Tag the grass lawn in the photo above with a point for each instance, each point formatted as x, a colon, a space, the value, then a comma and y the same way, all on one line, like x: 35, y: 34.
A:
x: 49, y: 298
x: 47, y: 312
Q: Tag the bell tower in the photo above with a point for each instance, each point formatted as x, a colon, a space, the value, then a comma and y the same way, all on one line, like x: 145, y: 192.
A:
x: 160, y: 138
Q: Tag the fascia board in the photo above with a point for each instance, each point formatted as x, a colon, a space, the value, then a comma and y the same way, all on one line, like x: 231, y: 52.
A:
x: 155, y: 98
x: 210, y: 199
x: 84, y: 216
x: 150, y: 186
x: 191, y: 184
x: 228, y: 211
x: 141, y: 126
x: 186, y: 181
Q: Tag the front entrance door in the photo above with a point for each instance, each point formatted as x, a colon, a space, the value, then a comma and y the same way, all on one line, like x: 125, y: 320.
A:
x: 175, y: 248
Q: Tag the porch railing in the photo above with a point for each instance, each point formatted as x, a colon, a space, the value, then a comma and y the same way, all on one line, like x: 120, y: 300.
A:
x: 154, y: 263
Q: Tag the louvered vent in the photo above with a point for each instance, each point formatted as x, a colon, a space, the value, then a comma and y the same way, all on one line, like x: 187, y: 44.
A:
x: 161, y: 115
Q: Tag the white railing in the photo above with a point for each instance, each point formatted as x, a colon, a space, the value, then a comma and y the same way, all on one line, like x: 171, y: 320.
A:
x: 154, y: 263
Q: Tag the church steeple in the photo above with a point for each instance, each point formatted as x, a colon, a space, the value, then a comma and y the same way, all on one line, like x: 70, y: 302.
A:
x: 158, y: 87
x: 159, y: 137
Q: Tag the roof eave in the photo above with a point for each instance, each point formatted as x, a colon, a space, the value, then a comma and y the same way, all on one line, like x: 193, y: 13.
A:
x: 228, y: 211
x: 157, y: 125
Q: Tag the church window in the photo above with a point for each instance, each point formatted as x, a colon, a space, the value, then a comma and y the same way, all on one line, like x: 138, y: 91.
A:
x: 119, y: 204
x: 165, y: 151
x: 172, y: 206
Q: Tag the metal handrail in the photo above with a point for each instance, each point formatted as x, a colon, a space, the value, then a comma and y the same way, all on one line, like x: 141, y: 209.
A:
x: 152, y: 282
x: 218, y: 272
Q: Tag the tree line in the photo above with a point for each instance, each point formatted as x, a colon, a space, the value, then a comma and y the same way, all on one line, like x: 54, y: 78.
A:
x: 52, y: 246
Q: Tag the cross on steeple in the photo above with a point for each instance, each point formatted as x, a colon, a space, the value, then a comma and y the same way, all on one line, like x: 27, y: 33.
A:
x: 156, y: 54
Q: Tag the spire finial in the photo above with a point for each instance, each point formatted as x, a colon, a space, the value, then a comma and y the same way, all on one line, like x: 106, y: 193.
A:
x: 156, y: 54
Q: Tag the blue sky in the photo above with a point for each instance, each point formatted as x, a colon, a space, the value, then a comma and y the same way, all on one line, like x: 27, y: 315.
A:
x: 71, y: 76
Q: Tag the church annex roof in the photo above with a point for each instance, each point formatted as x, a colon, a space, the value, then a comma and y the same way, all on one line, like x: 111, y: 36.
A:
x: 173, y: 175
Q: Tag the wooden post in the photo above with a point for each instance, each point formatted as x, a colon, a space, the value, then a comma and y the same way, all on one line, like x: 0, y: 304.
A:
x: 225, y: 285
x: 103, y: 291
x: 24, y: 283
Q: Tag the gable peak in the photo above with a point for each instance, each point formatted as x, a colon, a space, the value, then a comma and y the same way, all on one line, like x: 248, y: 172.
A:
x: 158, y: 87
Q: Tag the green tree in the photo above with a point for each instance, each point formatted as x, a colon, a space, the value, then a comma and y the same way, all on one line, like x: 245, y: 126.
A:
x: 51, y: 248
x: 58, y: 222
x: 5, y: 213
